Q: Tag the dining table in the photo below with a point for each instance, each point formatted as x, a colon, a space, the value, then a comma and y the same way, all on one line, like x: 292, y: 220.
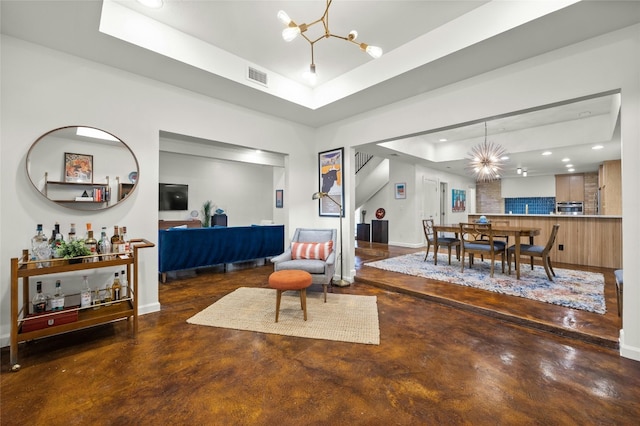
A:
x: 499, y: 230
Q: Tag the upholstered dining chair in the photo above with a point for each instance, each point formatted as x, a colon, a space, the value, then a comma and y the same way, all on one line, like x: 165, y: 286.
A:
x: 477, y: 238
x: 499, y: 240
x: 537, y: 251
x: 429, y: 234
x: 311, y: 250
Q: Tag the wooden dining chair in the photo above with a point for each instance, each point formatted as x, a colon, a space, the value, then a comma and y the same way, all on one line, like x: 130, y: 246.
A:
x: 429, y: 234
x: 537, y: 251
x: 477, y: 238
x: 499, y: 240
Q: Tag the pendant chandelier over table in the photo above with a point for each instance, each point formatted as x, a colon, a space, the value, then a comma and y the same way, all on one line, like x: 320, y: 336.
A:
x: 486, y: 159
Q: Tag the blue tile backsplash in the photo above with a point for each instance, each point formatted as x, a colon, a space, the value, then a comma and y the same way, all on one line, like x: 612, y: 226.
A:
x: 537, y: 205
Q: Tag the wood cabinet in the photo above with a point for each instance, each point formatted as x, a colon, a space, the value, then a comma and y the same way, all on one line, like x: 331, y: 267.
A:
x: 570, y: 187
x: 22, y: 323
x: 380, y: 231
x: 610, y: 186
x: 363, y: 232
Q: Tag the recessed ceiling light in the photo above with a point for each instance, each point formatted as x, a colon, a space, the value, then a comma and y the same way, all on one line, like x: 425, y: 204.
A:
x: 154, y: 4
x: 568, y: 165
x: 597, y: 147
x: 546, y: 153
x: 572, y: 170
x: 564, y: 160
x: 506, y: 157
x: 442, y: 139
x: 258, y: 151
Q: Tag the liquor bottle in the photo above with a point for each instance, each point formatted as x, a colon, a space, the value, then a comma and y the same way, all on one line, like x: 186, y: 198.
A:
x: 125, y: 238
x: 54, y: 232
x: 115, y: 240
x: 56, y: 245
x: 116, y: 288
x: 96, y: 299
x: 72, y: 232
x: 39, y: 300
x: 86, y: 233
x: 57, y: 302
x: 104, y: 245
x: 40, y: 247
x: 92, y: 244
x: 124, y: 284
x: 85, y: 293
x: 108, y: 297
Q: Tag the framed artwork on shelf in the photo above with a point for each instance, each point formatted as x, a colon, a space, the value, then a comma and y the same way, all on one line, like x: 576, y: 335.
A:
x: 401, y: 191
x: 279, y: 198
x: 78, y: 168
x: 331, y: 182
x: 458, y: 200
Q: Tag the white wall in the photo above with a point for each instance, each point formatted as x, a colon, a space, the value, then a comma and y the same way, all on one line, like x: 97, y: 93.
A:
x: 538, y: 186
x: 44, y: 89
x: 597, y: 65
x: 243, y: 190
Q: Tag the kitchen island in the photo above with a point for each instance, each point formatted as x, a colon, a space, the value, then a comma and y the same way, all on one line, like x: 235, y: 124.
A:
x: 587, y: 240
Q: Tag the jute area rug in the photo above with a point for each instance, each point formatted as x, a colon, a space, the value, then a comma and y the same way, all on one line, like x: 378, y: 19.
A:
x: 344, y: 318
x: 573, y: 289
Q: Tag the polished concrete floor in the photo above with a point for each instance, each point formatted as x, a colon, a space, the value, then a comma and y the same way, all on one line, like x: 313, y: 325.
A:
x: 437, y: 363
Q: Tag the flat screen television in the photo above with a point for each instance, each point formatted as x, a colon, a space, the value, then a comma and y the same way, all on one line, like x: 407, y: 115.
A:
x: 174, y: 196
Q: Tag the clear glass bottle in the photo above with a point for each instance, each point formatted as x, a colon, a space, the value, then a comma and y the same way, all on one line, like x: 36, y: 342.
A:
x: 39, y: 301
x: 116, y: 288
x: 92, y: 244
x: 57, y: 301
x: 104, y: 245
x: 96, y: 299
x: 107, y: 296
x: 125, y: 285
x: 85, y: 293
x: 56, y: 245
x: 115, y: 240
x: 40, y: 247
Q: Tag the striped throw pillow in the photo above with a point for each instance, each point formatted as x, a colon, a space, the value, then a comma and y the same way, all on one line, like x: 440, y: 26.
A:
x: 318, y: 251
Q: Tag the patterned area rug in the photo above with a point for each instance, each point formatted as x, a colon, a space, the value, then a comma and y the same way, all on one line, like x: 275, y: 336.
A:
x: 344, y: 318
x: 573, y: 289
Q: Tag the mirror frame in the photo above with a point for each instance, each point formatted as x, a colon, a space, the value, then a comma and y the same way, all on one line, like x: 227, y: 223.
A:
x: 79, y: 206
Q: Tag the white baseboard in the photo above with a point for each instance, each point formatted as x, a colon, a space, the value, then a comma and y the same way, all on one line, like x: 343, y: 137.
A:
x: 409, y: 245
x: 147, y: 309
x: 628, y: 351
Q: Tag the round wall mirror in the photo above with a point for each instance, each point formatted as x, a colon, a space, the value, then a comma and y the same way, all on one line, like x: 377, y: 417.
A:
x: 82, y: 168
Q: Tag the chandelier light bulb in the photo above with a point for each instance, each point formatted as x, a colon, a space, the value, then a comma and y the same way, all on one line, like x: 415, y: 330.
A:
x: 373, y: 51
x: 311, y: 75
x: 283, y: 17
x: 353, y: 35
x: 290, y: 33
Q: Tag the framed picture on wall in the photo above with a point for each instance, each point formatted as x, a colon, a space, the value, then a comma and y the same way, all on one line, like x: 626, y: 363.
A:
x: 279, y: 198
x: 78, y: 168
x: 330, y: 174
x: 401, y: 191
x: 458, y: 200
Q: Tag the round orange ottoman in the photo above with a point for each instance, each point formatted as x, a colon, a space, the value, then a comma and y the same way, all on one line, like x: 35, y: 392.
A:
x: 292, y: 279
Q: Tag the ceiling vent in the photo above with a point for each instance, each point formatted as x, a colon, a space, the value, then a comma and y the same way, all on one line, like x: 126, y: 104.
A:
x: 257, y: 76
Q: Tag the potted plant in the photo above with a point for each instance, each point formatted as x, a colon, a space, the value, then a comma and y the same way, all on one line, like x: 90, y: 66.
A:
x: 71, y: 250
x: 207, y: 206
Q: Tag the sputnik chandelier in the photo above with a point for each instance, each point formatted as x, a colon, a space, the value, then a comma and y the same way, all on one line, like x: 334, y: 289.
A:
x: 293, y: 30
x: 486, y: 160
